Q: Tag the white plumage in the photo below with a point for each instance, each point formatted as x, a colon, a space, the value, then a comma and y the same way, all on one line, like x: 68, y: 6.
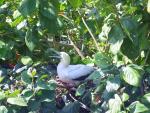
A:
x: 71, y: 73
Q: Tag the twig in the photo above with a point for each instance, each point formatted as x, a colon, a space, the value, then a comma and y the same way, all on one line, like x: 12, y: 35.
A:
x: 90, y: 32
x: 76, y: 48
x: 82, y: 105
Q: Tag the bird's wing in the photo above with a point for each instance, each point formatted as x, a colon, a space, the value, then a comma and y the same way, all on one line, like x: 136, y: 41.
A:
x: 78, y: 71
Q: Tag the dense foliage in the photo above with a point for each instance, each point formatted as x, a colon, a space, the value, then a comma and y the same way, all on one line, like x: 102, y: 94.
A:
x: 112, y: 35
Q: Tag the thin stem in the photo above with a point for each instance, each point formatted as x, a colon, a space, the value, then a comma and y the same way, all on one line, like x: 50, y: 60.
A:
x: 76, y: 48
x: 90, y: 32
x: 82, y: 105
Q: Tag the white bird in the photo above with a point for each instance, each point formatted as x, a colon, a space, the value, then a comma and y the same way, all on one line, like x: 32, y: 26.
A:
x: 72, y: 73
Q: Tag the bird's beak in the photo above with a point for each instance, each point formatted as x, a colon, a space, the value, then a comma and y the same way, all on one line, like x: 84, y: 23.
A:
x: 58, y: 55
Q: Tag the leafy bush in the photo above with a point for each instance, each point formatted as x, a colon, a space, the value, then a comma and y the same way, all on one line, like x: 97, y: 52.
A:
x: 113, y: 35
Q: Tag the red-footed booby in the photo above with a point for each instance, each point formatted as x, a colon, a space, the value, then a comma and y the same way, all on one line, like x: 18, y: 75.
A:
x: 72, y: 73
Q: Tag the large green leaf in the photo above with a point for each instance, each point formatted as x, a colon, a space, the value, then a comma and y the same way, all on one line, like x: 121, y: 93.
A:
x: 129, y: 49
x: 46, y: 95
x: 115, y: 104
x: 49, y: 9
x: 31, y: 39
x: 102, y: 60
x: 129, y: 25
x: 52, y: 25
x: 17, y: 101
x: 131, y: 76
x: 146, y: 99
x: 71, y: 108
x: 116, y: 34
x: 3, y: 109
x: 27, y: 94
x: 48, y: 15
x: 75, y: 3
x: 27, y: 7
x: 137, y: 107
x: 26, y: 78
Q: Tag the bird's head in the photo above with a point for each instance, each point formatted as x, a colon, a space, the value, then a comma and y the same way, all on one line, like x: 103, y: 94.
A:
x: 65, y: 58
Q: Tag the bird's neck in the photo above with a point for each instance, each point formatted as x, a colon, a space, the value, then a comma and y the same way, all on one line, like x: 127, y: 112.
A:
x: 62, y: 65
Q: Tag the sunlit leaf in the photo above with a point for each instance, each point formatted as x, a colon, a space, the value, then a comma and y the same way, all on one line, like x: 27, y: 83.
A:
x: 137, y: 107
x: 26, y: 60
x: 17, y: 101
x: 3, y: 109
x: 131, y: 76
x: 124, y: 97
x: 115, y: 104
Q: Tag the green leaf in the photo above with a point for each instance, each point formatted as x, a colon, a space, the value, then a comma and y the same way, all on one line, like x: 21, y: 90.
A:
x: 137, y: 107
x: 129, y: 25
x: 115, y: 104
x: 146, y: 99
x: 115, y: 48
x: 116, y: 34
x: 124, y: 97
x: 80, y: 90
x: 2, y: 95
x: 53, y: 25
x: 27, y: 7
x: 113, y: 84
x: 102, y: 60
x: 3, y: 109
x: 75, y: 3
x: 31, y: 39
x: 71, y: 108
x: 131, y: 76
x: 42, y: 85
x: 96, y: 75
x: 26, y: 60
x: 2, y: 43
x: 27, y: 94
x: 46, y: 95
x: 50, y: 85
x: 129, y: 49
x: 26, y: 78
x: 15, y: 93
x: 17, y: 101
x: 49, y: 9
x: 34, y: 105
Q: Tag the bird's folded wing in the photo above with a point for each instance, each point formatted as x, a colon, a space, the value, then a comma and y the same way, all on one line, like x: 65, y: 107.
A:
x: 77, y: 71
